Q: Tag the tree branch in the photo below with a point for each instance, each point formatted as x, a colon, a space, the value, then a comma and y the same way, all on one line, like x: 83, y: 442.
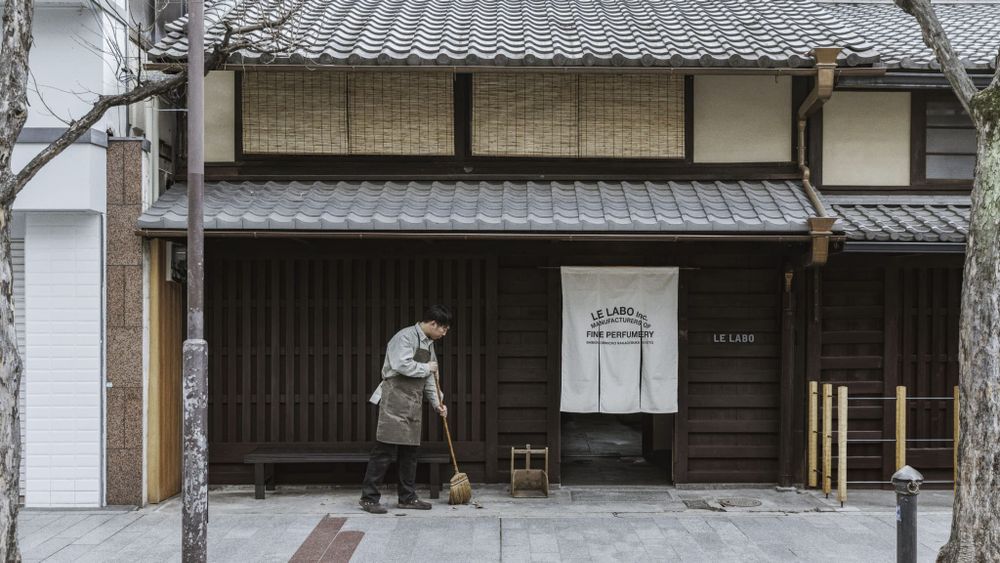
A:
x: 937, y: 40
x: 80, y: 126
x: 216, y: 58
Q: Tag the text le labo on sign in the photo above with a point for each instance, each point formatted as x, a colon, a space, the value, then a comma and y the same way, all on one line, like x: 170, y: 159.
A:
x: 609, y: 312
x: 732, y: 338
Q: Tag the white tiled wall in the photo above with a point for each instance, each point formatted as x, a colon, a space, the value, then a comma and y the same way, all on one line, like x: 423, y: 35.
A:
x: 17, y: 262
x: 63, y: 296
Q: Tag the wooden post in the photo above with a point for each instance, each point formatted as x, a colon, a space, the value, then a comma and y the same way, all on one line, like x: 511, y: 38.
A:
x: 827, y: 435
x: 787, y: 389
x: 900, y: 426
x: 954, y: 444
x: 813, y: 430
x: 842, y: 444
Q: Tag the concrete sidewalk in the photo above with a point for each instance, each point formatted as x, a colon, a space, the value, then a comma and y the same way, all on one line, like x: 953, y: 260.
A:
x: 574, y: 524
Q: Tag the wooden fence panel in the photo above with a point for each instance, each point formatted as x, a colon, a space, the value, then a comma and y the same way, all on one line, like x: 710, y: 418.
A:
x: 929, y: 305
x: 891, y: 321
x: 298, y: 343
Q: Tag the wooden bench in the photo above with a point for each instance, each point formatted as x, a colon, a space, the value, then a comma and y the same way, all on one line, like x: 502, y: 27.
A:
x: 264, y: 458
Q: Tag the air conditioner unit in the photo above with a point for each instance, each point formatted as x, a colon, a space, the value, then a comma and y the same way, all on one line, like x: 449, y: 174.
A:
x: 175, y: 267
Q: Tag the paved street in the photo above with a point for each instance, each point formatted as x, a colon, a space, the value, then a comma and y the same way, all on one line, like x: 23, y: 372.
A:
x: 575, y: 524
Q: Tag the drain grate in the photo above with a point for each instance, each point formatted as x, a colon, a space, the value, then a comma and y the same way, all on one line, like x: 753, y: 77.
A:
x: 604, y: 495
x: 698, y: 504
x: 739, y: 502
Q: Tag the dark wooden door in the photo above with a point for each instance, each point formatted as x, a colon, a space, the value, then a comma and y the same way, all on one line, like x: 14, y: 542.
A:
x: 928, y: 303
x: 728, y: 389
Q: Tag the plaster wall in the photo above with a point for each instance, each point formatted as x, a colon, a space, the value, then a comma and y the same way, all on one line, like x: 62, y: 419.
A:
x: 220, y: 97
x: 742, y: 119
x: 63, y: 289
x: 866, y: 139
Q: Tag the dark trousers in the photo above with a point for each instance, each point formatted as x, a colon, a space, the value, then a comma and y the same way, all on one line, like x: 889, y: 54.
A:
x: 378, y: 464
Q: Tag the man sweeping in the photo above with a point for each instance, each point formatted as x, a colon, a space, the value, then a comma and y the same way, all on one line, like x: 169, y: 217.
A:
x: 408, y: 377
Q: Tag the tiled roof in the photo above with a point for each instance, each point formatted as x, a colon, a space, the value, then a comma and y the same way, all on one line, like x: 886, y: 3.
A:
x: 679, y: 33
x: 973, y: 29
x: 902, y: 218
x: 710, y: 207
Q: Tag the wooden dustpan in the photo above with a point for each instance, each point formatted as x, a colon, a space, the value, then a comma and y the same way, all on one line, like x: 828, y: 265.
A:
x: 528, y: 482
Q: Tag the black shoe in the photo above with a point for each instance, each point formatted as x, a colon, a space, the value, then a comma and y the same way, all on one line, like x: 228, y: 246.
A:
x: 372, y: 507
x: 415, y: 504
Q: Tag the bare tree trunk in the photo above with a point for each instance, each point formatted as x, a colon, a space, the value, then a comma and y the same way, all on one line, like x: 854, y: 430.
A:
x: 10, y: 379
x: 975, y: 528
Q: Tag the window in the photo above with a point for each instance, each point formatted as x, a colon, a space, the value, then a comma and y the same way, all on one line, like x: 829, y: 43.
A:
x: 574, y: 116
x: 945, y: 141
x: 336, y: 113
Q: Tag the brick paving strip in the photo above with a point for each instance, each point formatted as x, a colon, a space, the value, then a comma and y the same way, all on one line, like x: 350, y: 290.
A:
x: 326, y: 543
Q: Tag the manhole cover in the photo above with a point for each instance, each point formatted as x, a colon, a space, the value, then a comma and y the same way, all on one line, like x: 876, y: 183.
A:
x: 739, y: 502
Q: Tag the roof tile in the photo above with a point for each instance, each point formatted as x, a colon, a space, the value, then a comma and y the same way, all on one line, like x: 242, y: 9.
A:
x: 972, y: 28
x: 902, y: 218
x: 492, y: 206
x: 746, y: 33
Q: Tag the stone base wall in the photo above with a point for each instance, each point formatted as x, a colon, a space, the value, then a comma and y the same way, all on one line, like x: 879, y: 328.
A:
x: 124, y: 324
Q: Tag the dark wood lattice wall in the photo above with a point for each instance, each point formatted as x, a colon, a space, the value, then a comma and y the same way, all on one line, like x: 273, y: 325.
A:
x: 298, y: 344
x: 298, y: 329
x: 883, y: 322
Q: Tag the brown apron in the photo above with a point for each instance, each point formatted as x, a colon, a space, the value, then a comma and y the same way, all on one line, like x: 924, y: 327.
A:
x: 400, y: 412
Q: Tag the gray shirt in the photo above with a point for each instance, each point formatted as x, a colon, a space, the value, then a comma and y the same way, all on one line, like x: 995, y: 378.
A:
x: 399, y: 362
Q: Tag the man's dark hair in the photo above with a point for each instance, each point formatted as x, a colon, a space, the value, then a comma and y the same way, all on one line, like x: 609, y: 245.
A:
x: 439, y: 314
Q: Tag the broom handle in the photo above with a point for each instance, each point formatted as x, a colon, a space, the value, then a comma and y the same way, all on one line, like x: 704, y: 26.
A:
x: 444, y: 421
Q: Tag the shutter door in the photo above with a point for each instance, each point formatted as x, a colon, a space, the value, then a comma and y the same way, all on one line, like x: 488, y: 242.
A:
x: 17, y: 258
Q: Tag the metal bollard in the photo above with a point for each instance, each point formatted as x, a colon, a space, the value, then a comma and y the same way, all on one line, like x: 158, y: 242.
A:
x: 907, y: 482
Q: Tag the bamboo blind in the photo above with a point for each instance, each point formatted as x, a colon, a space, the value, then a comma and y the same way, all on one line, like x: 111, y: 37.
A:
x: 636, y: 116
x: 559, y: 115
x: 401, y: 113
x: 333, y: 113
x: 294, y: 113
x: 525, y: 115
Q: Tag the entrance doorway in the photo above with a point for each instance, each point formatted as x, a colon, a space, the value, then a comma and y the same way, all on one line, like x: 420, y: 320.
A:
x: 616, y: 449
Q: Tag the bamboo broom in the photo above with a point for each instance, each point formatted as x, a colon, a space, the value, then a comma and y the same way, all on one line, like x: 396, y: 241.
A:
x: 460, y: 489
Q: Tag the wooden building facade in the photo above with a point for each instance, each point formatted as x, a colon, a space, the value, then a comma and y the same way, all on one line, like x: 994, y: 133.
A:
x: 345, y: 198
x: 300, y: 330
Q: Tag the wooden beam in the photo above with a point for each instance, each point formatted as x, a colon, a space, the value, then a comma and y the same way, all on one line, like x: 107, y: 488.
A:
x: 842, y: 444
x: 813, y: 433
x: 153, y: 412
x: 787, y: 397
x: 827, y: 436
x: 900, y: 426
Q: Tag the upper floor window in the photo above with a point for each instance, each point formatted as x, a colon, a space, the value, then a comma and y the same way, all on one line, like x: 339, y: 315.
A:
x: 337, y: 113
x: 578, y: 115
x: 945, y: 140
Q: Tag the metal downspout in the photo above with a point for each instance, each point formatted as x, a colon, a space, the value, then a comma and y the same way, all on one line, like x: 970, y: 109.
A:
x: 821, y: 226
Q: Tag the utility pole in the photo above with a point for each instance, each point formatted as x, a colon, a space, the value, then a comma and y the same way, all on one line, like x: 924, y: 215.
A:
x: 194, y: 528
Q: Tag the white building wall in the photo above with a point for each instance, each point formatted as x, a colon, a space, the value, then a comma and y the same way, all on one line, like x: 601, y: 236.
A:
x: 76, y: 180
x: 68, y: 63
x: 63, y: 287
x: 17, y: 263
x: 73, y: 61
